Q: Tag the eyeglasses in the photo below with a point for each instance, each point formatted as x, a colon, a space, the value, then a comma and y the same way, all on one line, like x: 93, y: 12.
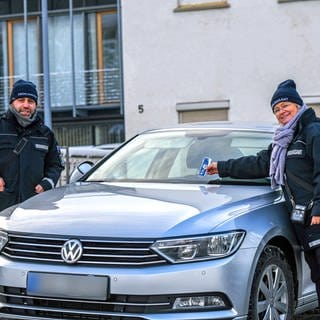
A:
x: 283, y: 107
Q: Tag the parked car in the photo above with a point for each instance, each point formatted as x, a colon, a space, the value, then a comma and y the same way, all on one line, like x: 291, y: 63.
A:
x: 142, y: 236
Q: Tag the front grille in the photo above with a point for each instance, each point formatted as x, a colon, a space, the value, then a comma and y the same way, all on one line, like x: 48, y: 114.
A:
x: 15, y: 301
x: 95, y: 251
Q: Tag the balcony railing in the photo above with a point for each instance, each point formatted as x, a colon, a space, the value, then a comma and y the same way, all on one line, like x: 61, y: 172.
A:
x: 92, y: 88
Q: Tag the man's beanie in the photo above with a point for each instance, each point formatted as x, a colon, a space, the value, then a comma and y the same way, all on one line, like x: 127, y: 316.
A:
x: 286, y: 91
x: 22, y: 89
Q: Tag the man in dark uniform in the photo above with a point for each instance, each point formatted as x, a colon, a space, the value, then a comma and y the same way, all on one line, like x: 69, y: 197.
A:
x: 293, y: 162
x: 30, y: 161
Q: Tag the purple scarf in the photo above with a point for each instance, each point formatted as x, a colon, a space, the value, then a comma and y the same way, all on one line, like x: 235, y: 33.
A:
x: 281, y: 139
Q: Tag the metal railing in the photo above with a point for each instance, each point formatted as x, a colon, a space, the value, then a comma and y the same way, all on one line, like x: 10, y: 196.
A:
x: 73, y: 156
x: 93, y: 88
x: 106, y: 131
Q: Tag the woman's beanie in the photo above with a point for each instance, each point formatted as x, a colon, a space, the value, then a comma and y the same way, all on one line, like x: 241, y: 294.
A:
x: 286, y: 91
x: 22, y: 89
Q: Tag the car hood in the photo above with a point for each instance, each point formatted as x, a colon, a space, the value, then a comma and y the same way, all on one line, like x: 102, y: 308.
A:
x: 134, y: 210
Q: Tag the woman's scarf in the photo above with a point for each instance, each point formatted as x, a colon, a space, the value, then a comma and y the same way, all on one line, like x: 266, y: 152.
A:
x: 281, y: 139
x: 23, y: 121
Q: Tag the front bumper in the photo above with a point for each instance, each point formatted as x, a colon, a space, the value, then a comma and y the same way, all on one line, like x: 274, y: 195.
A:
x: 134, y: 293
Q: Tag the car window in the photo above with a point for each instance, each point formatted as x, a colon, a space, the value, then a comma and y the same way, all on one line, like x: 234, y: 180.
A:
x: 250, y: 146
x: 176, y: 155
x: 136, y: 166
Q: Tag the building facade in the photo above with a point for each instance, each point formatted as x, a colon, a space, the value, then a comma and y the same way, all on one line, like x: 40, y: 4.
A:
x: 83, y: 62
x: 117, y: 67
x: 198, y: 60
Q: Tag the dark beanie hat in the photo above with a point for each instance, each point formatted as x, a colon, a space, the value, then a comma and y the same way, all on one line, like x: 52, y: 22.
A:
x: 22, y: 89
x: 286, y: 91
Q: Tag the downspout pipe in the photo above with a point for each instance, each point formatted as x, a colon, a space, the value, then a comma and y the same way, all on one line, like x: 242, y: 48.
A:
x: 25, y: 20
x: 45, y: 62
x: 120, y: 48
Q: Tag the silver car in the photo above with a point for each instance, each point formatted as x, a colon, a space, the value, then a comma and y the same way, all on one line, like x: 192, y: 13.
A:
x: 144, y: 236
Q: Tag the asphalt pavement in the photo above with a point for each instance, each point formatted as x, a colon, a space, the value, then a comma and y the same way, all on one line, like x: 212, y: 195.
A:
x: 311, y: 315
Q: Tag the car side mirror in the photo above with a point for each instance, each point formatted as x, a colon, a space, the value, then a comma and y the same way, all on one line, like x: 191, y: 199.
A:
x: 80, y: 171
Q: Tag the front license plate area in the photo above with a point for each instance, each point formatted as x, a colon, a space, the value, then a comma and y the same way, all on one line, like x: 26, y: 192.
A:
x: 70, y: 286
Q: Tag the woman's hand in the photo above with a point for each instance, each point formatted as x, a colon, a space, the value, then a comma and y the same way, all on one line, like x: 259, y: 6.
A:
x: 212, y: 168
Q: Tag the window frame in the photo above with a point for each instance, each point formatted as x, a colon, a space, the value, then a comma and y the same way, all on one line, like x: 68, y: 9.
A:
x: 184, y: 5
x: 203, y: 111
x: 286, y: 1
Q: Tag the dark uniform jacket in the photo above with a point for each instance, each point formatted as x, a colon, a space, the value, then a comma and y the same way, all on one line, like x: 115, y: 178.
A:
x: 28, y: 156
x: 302, y: 162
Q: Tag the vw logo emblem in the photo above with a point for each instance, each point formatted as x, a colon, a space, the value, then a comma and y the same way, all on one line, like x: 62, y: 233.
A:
x: 71, y: 251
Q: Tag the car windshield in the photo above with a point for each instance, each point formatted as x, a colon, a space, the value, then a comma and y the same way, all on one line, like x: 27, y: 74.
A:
x: 176, y: 156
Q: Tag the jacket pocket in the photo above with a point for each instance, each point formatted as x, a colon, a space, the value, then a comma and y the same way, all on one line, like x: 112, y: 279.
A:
x: 296, y: 153
x: 8, y: 160
x: 297, y: 150
x: 40, y: 150
x: 7, y: 199
x: 8, y: 141
x: 41, y: 147
x: 40, y: 144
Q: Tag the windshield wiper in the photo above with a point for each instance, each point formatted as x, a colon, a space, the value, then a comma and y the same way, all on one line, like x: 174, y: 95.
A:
x: 232, y: 181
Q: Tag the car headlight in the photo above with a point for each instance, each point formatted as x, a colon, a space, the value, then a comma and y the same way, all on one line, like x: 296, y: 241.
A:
x: 199, y: 248
x: 3, y: 239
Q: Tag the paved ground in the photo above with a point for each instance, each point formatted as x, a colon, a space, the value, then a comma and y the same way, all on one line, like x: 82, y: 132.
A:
x: 308, y: 317
x: 315, y: 315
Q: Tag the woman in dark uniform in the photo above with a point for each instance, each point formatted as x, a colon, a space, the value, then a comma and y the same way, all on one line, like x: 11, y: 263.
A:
x: 293, y: 162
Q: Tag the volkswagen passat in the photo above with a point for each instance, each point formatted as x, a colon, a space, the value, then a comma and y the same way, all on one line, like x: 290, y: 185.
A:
x: 142, y: 236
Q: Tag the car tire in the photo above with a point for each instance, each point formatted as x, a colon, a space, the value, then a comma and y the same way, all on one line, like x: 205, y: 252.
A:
x: 272, y: 290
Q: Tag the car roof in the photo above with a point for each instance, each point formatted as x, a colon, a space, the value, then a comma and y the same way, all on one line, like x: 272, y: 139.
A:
x: 267, y: 127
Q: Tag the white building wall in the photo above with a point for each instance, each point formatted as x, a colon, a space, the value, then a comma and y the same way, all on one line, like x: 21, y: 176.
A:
x: 238, y: 53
